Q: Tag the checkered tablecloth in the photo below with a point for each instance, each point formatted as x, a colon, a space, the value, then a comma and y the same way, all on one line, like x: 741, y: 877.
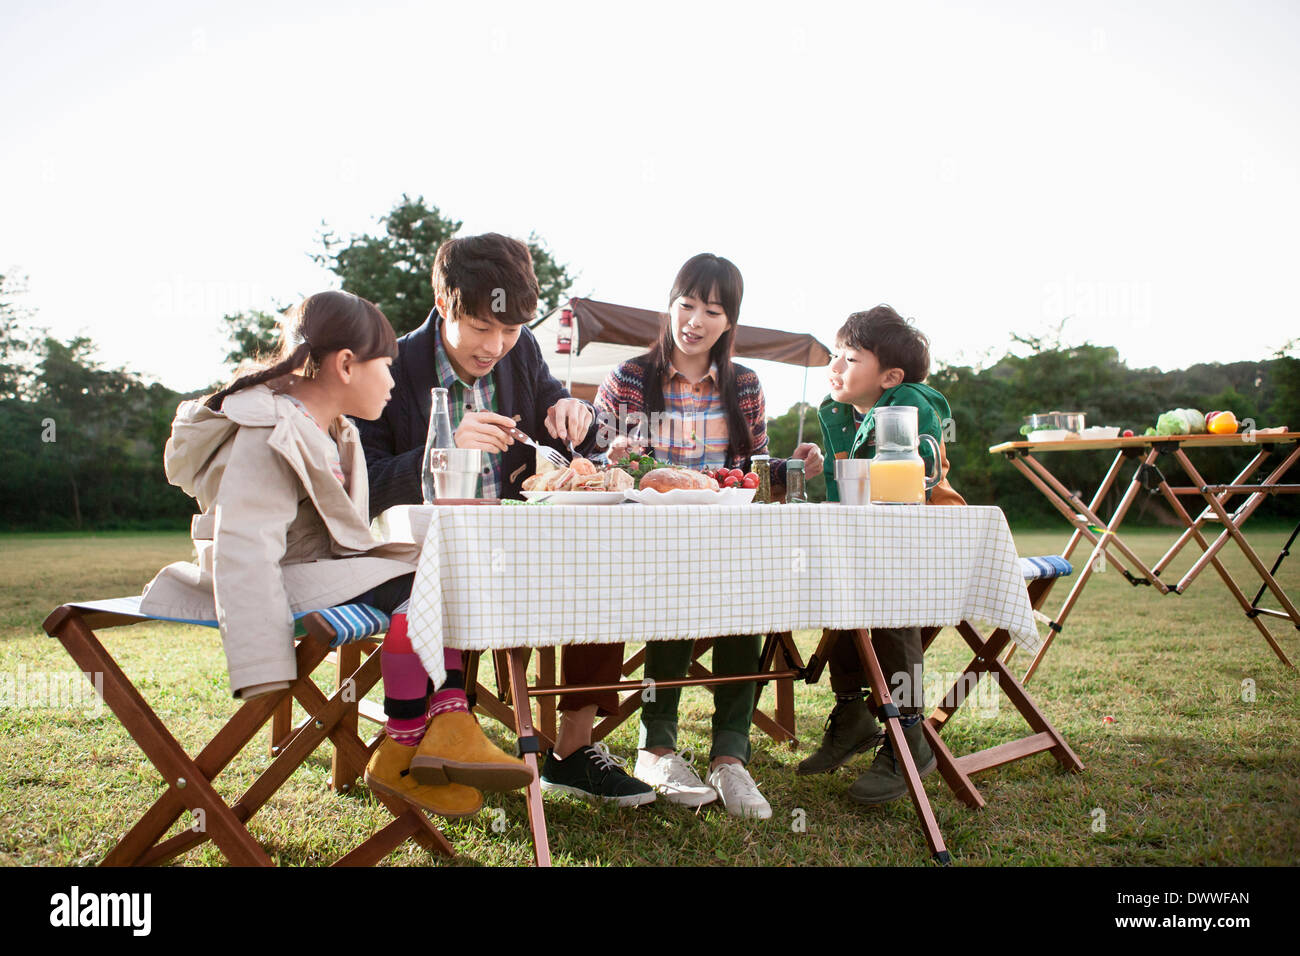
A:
x: 538, y: 576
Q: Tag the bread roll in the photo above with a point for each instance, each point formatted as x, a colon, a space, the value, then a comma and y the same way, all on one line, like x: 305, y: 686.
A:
x: 670, y: 479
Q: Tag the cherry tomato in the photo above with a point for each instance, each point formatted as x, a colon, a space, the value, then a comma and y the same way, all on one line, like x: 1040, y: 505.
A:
x: 731, y: 481
x: 736, y: 473
x: 749, y: 481
x: 752, y: 474
x: 1128, y: 433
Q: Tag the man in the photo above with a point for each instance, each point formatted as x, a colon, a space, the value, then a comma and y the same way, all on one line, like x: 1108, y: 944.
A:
x: 475, y: 344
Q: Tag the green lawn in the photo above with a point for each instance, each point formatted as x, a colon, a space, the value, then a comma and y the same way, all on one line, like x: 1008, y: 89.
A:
x: 1187, y: 773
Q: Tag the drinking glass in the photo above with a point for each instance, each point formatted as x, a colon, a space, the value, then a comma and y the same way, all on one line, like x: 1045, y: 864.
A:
x: 853, y: 476
x: 451, y: 473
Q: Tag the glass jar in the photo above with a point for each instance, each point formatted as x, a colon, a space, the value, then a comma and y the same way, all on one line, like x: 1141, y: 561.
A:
x: 796, y: 491
x: 761, y: 465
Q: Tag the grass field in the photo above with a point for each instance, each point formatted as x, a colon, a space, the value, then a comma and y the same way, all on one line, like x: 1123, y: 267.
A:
x: 1188, y: 772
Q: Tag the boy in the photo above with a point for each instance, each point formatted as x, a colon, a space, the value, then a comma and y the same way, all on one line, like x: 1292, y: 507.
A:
x: 880, y: 360
x: 475, y: 344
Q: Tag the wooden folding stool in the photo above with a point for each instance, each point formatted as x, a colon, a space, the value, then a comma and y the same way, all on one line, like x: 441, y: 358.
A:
x: 778, y: 657
x: 956, y: 771
x: 190, y: 780
x: 346, y: 658
x: 778, y: 654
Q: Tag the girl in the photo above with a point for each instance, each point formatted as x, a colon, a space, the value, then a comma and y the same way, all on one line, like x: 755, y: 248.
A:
x: 710, y: 414
x: 277, y: 471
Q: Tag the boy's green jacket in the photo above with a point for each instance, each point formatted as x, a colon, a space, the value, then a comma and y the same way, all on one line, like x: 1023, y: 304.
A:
x: 844, y: 441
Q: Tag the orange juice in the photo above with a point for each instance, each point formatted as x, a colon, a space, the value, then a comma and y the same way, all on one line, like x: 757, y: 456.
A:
x: 898, y: 481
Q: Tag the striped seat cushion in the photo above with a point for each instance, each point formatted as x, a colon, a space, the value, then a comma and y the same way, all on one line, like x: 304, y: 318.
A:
x: 354, y: 622
x: 351, y: 622
x: 1047, y: 566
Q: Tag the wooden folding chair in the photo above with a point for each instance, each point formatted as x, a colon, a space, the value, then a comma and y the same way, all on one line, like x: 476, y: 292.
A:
x: 1039, y: 573
x: 346, y: 658
x: 190, y: 780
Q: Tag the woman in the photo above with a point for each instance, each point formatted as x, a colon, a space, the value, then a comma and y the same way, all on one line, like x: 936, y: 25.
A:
x: 702, y: 411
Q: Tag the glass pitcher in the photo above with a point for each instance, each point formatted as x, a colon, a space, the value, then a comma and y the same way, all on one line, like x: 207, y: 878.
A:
x: 898, y: 471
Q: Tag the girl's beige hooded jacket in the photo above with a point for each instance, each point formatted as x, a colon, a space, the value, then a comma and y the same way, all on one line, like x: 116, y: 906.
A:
x: 278, y: 533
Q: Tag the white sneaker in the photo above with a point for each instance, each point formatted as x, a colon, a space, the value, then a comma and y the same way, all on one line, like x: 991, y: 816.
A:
x: 671, y: 775
x: 739, y: 792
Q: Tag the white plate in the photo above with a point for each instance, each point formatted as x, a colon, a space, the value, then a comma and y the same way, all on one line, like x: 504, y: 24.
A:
x: 689, y: 496
x: 576, y: 497
x: 1048, y: 434
x: 1099, y: 432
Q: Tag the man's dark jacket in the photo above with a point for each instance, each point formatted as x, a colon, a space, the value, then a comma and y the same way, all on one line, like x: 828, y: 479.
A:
x: 394, y: 443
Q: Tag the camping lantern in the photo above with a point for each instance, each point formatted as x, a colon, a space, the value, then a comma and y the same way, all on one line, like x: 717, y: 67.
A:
x: 564, y: 342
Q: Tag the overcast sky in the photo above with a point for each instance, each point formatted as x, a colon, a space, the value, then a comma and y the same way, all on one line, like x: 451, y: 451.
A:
x: 986, y: 169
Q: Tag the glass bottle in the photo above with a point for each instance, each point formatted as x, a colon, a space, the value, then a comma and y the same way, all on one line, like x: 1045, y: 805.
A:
x: 440, y: 437
x: 440, y: 421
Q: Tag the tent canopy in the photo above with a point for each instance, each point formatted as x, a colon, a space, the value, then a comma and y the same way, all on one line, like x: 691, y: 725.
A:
x: 609, y: 334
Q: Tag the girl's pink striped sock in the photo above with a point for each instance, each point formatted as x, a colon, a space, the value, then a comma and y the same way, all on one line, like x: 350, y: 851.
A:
x: 405, y: 686
x: 451, y: 696
x: 407, y: 731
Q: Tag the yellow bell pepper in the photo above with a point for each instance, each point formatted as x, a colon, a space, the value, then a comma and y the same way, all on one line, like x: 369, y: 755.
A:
x: 1224, y: 423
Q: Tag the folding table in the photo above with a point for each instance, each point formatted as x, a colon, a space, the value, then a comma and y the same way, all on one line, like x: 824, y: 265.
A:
x: 515, y: 577
x: 1150, y: 452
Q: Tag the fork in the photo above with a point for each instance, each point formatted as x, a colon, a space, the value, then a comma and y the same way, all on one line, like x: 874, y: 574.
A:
x: 547, y: 452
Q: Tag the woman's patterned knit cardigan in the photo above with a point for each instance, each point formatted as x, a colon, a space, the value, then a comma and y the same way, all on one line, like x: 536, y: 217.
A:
x: 625, y: 386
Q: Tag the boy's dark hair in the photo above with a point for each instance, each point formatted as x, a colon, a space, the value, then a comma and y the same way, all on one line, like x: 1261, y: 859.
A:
x: 486, y: 275
x: 896, y: 342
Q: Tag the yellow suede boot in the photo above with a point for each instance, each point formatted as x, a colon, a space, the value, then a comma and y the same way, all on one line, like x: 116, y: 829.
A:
x: 455, y: 750
x: 388, y: 773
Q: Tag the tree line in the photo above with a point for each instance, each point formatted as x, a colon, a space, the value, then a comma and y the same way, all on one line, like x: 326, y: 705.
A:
x: 83, y: 443
x: 1045, y: 374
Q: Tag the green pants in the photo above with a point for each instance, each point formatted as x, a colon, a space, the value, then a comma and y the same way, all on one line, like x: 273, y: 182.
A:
x: 733, y: 704
x: 899, y: 651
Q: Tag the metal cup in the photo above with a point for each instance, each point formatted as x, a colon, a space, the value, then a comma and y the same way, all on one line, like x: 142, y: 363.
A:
x: 455, y: 472
x: 853, y: 476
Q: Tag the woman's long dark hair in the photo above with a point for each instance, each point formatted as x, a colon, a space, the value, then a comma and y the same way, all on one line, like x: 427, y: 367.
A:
x: 708, y: 278
x: 322, y: 324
